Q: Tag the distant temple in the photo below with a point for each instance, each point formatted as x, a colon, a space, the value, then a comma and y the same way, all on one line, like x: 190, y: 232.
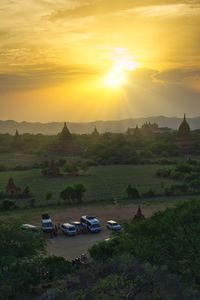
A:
x: 11, y: 188
x: 184, y: 130
x: 148, y: 128
x: 65, y: 145
x: 139, y: 215
x: 65, y: 137
x: 95, y: 132
x: 52, y: 170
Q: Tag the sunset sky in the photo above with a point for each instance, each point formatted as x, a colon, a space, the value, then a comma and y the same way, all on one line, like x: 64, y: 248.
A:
x: 84, y: 60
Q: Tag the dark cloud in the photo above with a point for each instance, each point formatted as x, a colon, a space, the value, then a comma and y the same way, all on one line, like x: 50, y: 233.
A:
x: 42, y: 76
x: 176, y: 76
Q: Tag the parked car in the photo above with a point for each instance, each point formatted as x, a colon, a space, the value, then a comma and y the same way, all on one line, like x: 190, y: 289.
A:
x: 113, y: 225
x: 68, y: 229
x: 29, y: 227
x: 92, y: 224
x: 77, y: 225
x: 47, y: 224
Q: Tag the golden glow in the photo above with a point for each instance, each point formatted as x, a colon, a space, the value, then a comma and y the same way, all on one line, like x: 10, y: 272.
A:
x: 75, y: 60
x: 117, y: 76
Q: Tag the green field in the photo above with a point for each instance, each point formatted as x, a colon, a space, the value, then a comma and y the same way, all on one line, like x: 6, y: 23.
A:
x: 11, y: 160
x: 102, y: 182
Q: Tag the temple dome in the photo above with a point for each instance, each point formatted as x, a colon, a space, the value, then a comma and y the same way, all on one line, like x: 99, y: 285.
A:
x: 184, y: 129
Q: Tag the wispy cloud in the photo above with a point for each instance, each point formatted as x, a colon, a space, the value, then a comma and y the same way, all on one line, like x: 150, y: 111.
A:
x: 169, y: 10
x: 36, y: 76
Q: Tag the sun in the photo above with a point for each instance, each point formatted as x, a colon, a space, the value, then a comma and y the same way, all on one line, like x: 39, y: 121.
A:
x: 117, y: 76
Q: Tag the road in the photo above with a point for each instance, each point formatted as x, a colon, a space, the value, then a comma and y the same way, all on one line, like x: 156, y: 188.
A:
x: 72, y: 247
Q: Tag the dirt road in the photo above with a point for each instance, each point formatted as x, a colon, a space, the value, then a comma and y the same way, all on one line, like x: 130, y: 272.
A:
x: 71, y: 247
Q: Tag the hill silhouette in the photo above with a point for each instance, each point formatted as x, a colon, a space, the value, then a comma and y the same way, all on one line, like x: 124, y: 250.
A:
x: 10, y: 126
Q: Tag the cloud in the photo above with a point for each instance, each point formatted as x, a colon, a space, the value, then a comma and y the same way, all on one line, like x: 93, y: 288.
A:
x: 42, y: 76
x: 99, y: 7
x: 169, y: 10
x: 176, y: 76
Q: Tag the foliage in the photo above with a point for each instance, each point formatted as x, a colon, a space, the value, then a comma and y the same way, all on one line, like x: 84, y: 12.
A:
x: 101, y: 183
x: 73, y: 193
x: 8, y: 204
x: 167, y: 239
x: 132, y: 192
x: 23, y: 267
x: 123, y: 277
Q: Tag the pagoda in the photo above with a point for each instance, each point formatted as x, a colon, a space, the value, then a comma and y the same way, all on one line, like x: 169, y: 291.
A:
x: 184, y: 130
x: 11, y: 188
x: 95, y: 132
x: 65, y: 137
x: 139, y: 215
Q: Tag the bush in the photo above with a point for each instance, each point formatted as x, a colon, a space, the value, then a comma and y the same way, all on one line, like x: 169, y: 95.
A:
x: 132, y: 192
x: 167, y: 239
x: 150, y: 193
x: 8, y: 205
x: 164, y: 173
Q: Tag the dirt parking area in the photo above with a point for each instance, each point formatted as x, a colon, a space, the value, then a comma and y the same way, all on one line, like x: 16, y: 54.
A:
x: 72, y: 247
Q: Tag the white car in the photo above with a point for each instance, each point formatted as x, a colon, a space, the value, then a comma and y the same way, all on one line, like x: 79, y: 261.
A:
x: 29, y: 227
x: 68, y: 229
x: 113, y: 225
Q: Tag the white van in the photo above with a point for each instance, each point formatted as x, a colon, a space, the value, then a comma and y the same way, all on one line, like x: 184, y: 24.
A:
x: 68, y: 229
x: 91, y: 223
x: 47, y: 224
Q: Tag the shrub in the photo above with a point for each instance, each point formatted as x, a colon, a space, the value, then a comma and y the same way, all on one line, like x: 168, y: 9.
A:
x: 8, y: 204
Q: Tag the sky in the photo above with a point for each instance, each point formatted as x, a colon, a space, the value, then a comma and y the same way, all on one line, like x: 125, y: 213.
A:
x: 85, y: 60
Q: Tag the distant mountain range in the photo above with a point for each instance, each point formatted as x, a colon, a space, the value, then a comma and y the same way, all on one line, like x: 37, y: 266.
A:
x: 53, y: 128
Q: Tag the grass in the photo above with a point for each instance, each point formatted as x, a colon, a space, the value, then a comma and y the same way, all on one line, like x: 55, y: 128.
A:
x: 10, y: 160
x: 102, y: 182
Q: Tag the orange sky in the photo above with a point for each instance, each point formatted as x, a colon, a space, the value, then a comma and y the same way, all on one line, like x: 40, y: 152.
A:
x: 83, y: 60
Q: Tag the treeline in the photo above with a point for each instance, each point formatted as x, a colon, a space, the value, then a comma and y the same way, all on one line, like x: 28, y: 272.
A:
x: 186, y: 175
x: 104, y: 149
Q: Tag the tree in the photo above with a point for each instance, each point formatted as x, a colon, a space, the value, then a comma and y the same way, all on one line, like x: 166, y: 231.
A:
x: 132, y: 192
x: 23, y: 265
x: 66, y: 194
x: 72, y: 169
x: 48, y: 196
x: 78, y: 192
x: 167, y: 239
x: 129, y: 191
x: 26, y: 193
x: 74, y: 193
x: 8, y: 204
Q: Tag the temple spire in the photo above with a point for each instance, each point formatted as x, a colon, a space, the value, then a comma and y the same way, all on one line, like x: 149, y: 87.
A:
x: 95, y: 132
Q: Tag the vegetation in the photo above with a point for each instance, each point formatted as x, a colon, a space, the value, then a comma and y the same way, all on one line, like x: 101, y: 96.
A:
x: 23, y: 266
x: 168, y: 239
x: 73, y: 193
x: 101, y: 183
x: 123, y: 277
x: 186, y: 175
